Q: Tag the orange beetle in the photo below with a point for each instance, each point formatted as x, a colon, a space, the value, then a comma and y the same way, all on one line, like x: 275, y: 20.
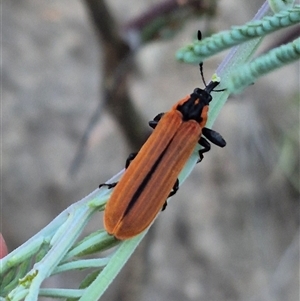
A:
x: 152, y: 174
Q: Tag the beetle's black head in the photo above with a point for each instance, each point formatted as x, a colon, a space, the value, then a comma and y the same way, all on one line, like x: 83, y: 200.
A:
x: 192, y: 108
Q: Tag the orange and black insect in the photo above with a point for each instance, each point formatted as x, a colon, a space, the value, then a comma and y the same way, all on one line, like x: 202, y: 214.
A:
x: 151, y: 175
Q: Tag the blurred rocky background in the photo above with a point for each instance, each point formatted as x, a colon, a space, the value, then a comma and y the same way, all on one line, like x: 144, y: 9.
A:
x: 232, y: 231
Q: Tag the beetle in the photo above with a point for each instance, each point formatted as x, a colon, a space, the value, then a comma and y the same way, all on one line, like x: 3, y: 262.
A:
x: 151, y: 175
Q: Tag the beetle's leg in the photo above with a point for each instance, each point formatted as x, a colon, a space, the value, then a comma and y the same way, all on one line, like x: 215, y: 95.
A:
x: 164, y: 206
x: 174, y: 190
x: 213, y: 137
x: 109, y: 185
x: 206, y: 147
x: 153, y: 123
x: 128, y: 161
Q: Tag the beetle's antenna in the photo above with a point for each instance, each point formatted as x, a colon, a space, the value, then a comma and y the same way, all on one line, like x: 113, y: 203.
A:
x: 202, y: 75
x: 199, y: 36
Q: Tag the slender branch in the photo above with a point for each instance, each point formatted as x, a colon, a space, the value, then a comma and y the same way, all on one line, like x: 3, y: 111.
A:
x: 116, y: 95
